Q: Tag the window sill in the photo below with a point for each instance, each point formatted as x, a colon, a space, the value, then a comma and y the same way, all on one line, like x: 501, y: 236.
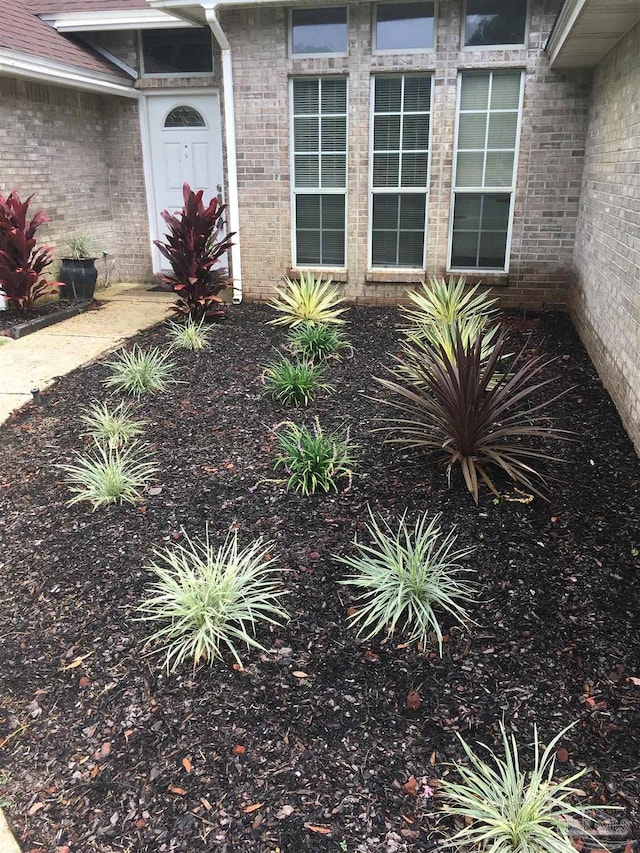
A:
x: 337, y: 275
x: 400, y: 277
x: 487, y: 279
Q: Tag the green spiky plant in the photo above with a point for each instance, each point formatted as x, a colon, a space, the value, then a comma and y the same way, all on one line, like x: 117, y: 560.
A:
x: 508, y: 809
x: 294, y: 382
x: 314, y: 460
x: 190, y: 335
x: 405, y: 577
x: 467, y: 413
x: 110, y: 475
x: 317, y: 342
x: 113, y: 425
x: 210, y: 598
x: 141, y: 371
x: 310, y: 300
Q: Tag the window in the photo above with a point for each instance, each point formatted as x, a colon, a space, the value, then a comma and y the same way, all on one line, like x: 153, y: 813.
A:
x: 319, y: 146
x: 177, y: 51
x: 491, y: 22
x: 399, y: 172
x: 404, y: 26
x: 319, y: 30
x: 184, y: 116
x: 484, y: 181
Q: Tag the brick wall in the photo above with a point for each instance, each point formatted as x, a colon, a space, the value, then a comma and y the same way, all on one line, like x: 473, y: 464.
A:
x: 79, y: 154
x: 605, y: 298
x: 550, y: 162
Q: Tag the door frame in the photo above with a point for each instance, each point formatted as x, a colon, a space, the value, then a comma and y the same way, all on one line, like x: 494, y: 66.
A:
x: 147, y: 161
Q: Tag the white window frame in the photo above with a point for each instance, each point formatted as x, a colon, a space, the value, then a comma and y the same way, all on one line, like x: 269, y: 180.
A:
x: 317, y: 190
x: 419, y: 50
x: 173, y: 74
x: 520, y: 46
x: 510, y: 190
x: 398, y: 190
x: 293, y: 55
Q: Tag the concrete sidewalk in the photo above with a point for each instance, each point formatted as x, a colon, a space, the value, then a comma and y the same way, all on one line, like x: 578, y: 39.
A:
x: 36, y: 360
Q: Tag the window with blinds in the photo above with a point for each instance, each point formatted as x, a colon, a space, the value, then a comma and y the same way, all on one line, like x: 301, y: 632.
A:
x: 400, y: 169
x: 319, y: 146
x: 489, y: 109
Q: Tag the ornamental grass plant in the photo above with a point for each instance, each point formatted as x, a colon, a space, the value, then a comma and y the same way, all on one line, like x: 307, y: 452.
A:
x: 407, y: 578
x: 141, y: 371
x: 109, y: 475
x: 189, y: 335
x: 294, y: 382
x: 317, y: 342
x: 310, y: 300
x: 114, y: 426
x: 314, y: 459
x: 508, y: 809
x: 210, y: 598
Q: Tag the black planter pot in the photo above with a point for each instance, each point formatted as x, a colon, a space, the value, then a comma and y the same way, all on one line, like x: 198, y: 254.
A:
x: 79, y: 278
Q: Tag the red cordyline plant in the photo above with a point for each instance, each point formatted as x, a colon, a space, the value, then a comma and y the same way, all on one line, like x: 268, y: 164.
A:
x: 194, y: 245
x: 21, y: 262
x: 473, y: 412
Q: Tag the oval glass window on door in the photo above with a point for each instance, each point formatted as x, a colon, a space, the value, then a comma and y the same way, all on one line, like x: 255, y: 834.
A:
x: 184, y: 116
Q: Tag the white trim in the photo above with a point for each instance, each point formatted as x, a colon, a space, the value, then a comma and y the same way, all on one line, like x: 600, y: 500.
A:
x: 401, y: 51
x: 399, y: 190
x: 340, y: 53
x: 15, y: 64
x: 518, y: 46
x: 510, y: 190
x: 567, y: 19
x: 133, y: 19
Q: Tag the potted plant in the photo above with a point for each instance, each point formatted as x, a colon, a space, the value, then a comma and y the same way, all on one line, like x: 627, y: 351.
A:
x: 78, y: 271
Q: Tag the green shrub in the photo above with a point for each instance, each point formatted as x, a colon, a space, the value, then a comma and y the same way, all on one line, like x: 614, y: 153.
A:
x: 141, y: 371
x: 114, y: 426
x: 189, y: 335
x: 405, y: 577
x: 309, y: 300
x: 313, y: 459
x: 294, y: 382
x: 467, y: 413
x: 509, y: 810
x: 210, y: 598
x: 109, y: 475
x: 318, y: 342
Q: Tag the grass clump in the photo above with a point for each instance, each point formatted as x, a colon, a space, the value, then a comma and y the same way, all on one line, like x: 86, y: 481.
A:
x: 309, y: 300
x: 507, y: 809
x: 113, y: 426
x: 109, y: 475
x: 210, y: 599
x: 141, y: 371
x: 314, y: 460
x: 294, y: 382
x: 317, y: 342
x: 189, y: 335
x: 405, y: 577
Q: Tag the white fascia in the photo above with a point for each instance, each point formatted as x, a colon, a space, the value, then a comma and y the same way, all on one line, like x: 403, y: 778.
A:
x: 15, y: 64
x: 134, y: 19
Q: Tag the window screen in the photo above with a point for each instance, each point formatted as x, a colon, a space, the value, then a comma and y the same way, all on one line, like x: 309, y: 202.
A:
x: 177, y: 51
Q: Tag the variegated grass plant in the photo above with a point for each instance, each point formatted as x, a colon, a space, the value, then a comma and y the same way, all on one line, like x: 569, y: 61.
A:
x: 508, y: 809
x: 314, y: 460
x: 189, y: 335
x: 210, y: 598
x: 294, y: 382
x: 141, y: 371
x: 108, y: 475
x: 406, y: 578
x: 317, y: 343
x: 466, y: 412
x: 114, y: 426
x: 309, y: 300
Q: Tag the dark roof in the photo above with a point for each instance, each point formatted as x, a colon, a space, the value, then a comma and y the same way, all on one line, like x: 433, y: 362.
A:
x: 21, y: 30
x: 43, y: 7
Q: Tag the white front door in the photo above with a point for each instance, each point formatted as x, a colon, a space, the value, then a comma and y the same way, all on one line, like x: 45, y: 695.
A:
x: 186, y: 146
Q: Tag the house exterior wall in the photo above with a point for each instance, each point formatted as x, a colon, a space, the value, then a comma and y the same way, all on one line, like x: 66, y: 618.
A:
x: 550, y: 158
x: 605, y: 297
x: 79, y: 154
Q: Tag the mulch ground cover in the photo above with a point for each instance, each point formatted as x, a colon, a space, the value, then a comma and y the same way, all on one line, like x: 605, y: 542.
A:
x: 323, y: 742
x: 11, y: 318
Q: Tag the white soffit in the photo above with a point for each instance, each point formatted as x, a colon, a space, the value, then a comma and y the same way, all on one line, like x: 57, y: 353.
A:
x: 134, y: 19
x: 586, y: 30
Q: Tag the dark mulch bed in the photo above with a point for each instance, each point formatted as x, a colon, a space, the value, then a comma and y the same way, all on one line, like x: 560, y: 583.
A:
x: 97, y: 755
x: 11, y: 318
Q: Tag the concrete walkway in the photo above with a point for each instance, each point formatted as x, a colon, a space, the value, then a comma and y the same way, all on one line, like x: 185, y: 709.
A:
x: 36, y: 360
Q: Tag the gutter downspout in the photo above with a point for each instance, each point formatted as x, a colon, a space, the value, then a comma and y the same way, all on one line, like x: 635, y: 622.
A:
x: 230, y: 139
